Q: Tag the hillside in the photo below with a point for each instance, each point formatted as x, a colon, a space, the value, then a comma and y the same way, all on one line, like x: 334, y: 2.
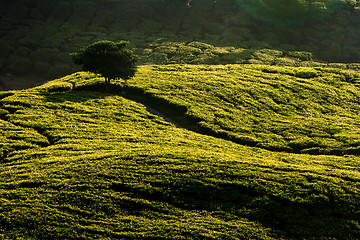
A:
x: 79, y: 162
x: 295, y: 109
x: 36, y: 36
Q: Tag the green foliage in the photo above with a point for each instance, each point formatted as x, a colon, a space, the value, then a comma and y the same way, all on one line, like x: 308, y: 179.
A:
x: 18, y: 63
x: 17, y: 138
x: 290, y: 12
x: 273, y: 107
x: 17, y: 11
x: 96, y: 165
x: 109, y: 59
x: 266, y: 56
x: 328, y: 29
x: 304, y: 56
x: 202, y: 53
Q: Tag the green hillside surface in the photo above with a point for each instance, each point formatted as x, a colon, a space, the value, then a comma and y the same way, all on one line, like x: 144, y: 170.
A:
x: 314, y: 110
x: 183, y: 152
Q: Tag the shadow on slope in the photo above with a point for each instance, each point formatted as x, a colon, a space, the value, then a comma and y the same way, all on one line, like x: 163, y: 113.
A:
x: 178, y: 115
x: 298, y: 203
x: 322, y: 217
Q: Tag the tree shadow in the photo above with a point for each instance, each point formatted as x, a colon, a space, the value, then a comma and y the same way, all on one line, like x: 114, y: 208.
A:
x: 84, y: 93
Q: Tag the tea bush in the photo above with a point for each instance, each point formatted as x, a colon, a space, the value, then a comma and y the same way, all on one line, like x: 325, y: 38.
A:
x: 86, y: 164
x: 304, y: 56
x: 281, y: 107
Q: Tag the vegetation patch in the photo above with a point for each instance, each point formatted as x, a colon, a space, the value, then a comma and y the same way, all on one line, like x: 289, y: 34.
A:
x: 118, y: 171
x: 274, y: 107
x: 37, y: 36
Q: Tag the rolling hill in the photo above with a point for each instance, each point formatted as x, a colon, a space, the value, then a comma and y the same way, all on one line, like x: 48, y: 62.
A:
x: 183, y: 152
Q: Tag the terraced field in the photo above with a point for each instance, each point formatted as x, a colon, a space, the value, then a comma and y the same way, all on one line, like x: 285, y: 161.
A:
x: 259, y: 152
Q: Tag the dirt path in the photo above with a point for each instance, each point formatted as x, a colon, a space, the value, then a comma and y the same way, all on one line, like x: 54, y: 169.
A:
x: 166, y: 118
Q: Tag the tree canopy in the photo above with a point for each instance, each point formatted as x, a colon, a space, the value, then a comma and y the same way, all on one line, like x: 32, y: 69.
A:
x: 288, y: 12
x: 109, y: 59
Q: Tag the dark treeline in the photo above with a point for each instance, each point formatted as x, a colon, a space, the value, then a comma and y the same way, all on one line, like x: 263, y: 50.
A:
x: 36, y: 36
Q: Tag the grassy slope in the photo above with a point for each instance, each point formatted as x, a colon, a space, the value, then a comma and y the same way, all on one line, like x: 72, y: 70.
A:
x: 302, y: 109
x: 89, y: 165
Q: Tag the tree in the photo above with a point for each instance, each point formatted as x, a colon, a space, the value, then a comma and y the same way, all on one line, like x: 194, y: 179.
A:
x: 109, y: 59
x: 291, y: 12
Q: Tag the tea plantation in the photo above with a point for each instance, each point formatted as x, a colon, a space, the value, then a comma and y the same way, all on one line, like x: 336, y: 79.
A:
x: 184, y: 152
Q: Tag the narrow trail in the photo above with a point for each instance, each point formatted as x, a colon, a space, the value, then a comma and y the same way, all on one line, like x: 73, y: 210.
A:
x: 169, y: 112
x: 161, y: 107
x: 165, y: 110
x: 163, y: 116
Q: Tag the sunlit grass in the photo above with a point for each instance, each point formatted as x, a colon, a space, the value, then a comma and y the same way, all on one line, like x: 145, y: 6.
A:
x: 278, y: 108
x: 100, y: 166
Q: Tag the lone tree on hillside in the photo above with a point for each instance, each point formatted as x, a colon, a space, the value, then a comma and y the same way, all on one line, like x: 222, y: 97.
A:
x: 110, y: 60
